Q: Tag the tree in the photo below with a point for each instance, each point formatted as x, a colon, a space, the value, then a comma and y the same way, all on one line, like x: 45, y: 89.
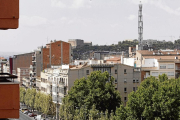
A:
x: 37, y: 102
x: 155, y: 99
x: 30, y: 97
x: 97, y: 89
x: 22, y: 94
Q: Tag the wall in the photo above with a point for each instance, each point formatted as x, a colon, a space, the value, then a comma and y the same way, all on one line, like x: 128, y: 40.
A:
x: 150, y: 63
x: 21, y: 61
x: 9, y: 14
x: 166, y: 70
x: 129, y: 61
x: 129, y: 76
x: 45, y: 58
x: 58, y: 53
x: 38, y: 63
x: 9, y: 105
x: 22, y: 72
x: 77, y: 74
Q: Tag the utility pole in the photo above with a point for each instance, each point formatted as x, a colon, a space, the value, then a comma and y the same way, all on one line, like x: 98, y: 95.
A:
x: 140, y: 27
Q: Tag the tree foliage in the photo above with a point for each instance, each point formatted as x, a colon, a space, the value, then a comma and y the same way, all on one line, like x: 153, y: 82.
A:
x: 22, y: 94
x: 98, y: 90
x: 37, y: 100
x: 154, y: 99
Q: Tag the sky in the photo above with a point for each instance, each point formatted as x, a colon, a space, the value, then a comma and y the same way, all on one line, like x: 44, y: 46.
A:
x: 103, y: 22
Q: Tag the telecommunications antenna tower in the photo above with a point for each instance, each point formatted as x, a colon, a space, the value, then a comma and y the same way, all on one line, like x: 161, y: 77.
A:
x: 140, y: 27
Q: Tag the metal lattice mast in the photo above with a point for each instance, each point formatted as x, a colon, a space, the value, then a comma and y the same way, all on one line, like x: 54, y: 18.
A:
x: 140, y: 26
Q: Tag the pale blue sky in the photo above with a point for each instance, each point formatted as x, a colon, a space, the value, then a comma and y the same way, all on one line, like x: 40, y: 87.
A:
x: 99, y: 21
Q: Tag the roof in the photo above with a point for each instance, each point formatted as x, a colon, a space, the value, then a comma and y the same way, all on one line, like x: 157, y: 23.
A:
x: 79, y: 67
x: 24, y: 53
x: 161, y: 52
x: 162, y: 57
x: 5, y: 78
x: 56, y: 41
x: 2, y: 58
x: 114, y: 59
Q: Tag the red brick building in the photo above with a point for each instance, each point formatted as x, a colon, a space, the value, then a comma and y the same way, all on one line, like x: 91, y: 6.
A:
x: 56, y: 53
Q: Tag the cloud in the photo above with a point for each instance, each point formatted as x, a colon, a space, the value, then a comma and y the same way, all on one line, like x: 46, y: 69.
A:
x: 166, y: 8
x: 114, y: 25
x: 160, y: 4
x: 70, y: 4
x: 78, y: 3
x: 32, y: 21
x: 57, y: 3
x: 131, y: 17
x: 138, y: 1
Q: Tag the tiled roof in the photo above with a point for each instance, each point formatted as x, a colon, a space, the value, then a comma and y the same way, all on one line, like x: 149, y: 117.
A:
x: 114, y: 59
x: 147, y: 52
x: 2, y: 58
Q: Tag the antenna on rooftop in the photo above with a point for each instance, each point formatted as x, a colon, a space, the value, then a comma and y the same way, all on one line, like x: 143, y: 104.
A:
x: 140, y: 26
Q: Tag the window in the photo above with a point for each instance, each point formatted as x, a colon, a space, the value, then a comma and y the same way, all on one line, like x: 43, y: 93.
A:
x: 24, y: 72
x: 125, y: 89
x: 137, y: 81
x: 170, y: 73
x: 134, y: 89
x: 115, y: 71
x: 134, y: 81
x: 125, y: 71
x: 162, y: 73
x: 163, y: 66
x: 125, y: 80
x: 155, y: 74
x: 170, y: 66
x: 115, y: 80
x: 87, y: 72
x: 125, y: 99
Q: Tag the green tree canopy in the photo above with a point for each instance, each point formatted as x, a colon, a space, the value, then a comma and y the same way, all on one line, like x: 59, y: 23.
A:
x: 98, y: 90
x: 22, y: 94
x: 155, y: 99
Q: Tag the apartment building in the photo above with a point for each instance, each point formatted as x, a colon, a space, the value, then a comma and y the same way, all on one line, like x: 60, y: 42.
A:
x: 56, y: 53
x: 155, y: 63
x: 165, y: 66
x: 53, y: 82
x: 22, y: 61
x: 22, y: 73
x: 127, y: 78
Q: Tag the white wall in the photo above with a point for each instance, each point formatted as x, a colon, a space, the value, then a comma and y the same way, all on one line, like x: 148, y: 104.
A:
x: 150, y: 63
x: 129, y: 61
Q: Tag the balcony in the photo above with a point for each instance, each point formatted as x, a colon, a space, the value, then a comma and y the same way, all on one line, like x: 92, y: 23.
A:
x: 33, y: 56
x: 34, y: 70
x: 137, y: 69
x: 177, y: 67
x: 34, y: 60
x: 34, y: 64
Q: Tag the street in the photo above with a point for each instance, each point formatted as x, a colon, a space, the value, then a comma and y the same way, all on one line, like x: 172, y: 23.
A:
x: 23, y: 117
